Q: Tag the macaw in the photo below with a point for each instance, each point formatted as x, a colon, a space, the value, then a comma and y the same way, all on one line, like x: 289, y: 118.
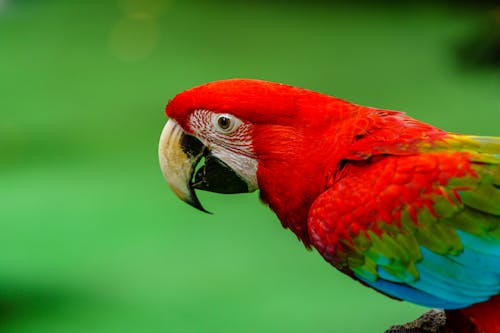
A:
x: 403, y: 207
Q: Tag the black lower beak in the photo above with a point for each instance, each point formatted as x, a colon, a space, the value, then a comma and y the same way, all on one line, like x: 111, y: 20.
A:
x: 216, y: 176
x: 180, y: 157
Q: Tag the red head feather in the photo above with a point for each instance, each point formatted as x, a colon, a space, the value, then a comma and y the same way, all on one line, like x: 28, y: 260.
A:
x: 259, y: 102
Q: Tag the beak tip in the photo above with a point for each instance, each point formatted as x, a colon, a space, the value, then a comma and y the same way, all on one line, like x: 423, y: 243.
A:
x: 195, y: 203
x: 201, y: 209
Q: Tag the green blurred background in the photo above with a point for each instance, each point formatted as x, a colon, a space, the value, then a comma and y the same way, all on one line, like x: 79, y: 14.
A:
x: 92, y: 239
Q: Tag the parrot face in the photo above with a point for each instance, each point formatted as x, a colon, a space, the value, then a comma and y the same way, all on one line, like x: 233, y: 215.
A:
x: 220, y: 142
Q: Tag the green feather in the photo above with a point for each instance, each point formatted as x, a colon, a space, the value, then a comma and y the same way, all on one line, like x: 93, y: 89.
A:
x: 473, y: 222
x: 385, y: 250
x: 367, y: 270
x: 436, y: 236
x: 468, y: 203
x: 362, y: 242
x: 485, y: 198
x: 410, y: 244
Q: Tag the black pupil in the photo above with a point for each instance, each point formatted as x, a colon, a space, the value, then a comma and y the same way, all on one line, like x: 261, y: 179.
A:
x: 224, y: 122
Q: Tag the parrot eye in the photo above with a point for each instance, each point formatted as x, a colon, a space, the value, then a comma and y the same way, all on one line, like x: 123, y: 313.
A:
x: 226, y: 123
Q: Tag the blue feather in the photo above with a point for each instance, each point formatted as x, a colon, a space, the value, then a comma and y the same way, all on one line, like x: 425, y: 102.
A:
x: 455, y: 270
x: 411, y: 294
x: 437, y: 284
x: 474, y: 259
x: 483, y: 245
x: 448, y: 282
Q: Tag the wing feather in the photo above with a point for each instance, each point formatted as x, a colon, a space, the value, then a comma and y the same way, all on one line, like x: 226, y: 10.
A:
x: 429, y: 233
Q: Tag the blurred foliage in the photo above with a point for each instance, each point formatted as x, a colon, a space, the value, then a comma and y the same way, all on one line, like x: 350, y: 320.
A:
x: 91, y: 238
x: 482, y: 48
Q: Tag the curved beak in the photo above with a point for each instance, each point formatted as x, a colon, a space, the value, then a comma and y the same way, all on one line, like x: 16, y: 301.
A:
x: 179, y: 155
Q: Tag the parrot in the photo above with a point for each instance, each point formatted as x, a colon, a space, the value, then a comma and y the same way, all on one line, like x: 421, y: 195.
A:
x: 403, y: 207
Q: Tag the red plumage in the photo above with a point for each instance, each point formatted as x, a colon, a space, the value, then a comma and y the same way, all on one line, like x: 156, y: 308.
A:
x: 485, y: 315
x: 316, y: 127
x: 368, y: 188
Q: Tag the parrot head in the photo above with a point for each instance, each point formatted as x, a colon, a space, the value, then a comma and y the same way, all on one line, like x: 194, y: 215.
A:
x: 240, y: 135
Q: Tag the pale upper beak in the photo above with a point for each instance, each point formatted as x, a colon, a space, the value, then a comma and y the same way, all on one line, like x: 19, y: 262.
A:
x: 179, y: 154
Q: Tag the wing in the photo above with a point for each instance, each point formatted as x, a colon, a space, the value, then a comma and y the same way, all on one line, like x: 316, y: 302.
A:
x: 423, y: 228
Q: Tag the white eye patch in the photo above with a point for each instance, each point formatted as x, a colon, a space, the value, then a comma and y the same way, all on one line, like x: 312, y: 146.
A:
x: 225, y: 123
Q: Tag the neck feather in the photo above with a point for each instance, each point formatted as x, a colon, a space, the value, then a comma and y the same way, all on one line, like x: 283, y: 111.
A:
x: 300, y: 160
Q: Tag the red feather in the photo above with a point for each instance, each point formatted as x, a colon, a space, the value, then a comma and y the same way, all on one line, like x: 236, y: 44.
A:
x: 486, y: 315
x: 327, y: 140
